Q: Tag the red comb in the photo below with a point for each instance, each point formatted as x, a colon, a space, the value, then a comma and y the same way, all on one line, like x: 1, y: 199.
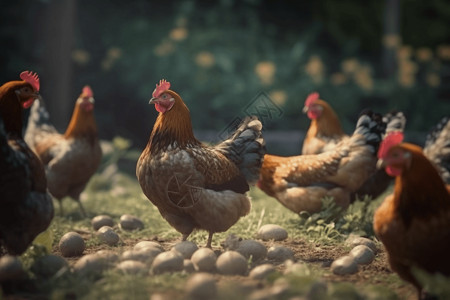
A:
x: 311, y: 98
x: 31, y: 78
x: 161, y: 88
x: 392, y: 139
x: 87, y: 91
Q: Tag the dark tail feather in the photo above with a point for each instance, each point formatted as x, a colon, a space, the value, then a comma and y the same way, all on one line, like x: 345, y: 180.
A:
x: 437, y: 148
x: 395, y: 121
x: 246, y: 148
x: 371, y: 126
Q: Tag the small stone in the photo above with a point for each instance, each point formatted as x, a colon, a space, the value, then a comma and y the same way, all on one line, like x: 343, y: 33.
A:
x: 48, y: 265
x: 108, y: 255
x: 355, y: 240
x: 272, y: 232
x: 262, y: 271
x: 132, y: 267
x: 144, y: 255
x: 71, y: 244
x: 108, y: 236
x: 185, y: 248
x: 91, y: 264
x: 298, y: 268
x: 201, y: 286
x: 252, y: 248
x: 11, y: 269
x: 188, y: 266
x: 204, y: 260
x: 362, y: 254
x: 129, y: 222
x: 170, y: 261
x: 344, y: 265
x: 318, y: 290
x: 231, y: 263
x: 102, y: 220
x: 145, y: 244
x: 280, y: 253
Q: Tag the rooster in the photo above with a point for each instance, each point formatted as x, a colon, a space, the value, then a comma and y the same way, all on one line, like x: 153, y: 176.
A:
x: 300, y: 182
x: 437, y: 148
x: 195, y: 186
x: 325, y: 130
x: 26, y: 209
x: 70, y: 158
x: 413, y: 222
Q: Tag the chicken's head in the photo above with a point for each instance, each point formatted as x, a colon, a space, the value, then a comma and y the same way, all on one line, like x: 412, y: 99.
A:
x: 162, y: 97
x: 28, y: 90
x: 391, y: 156
x: 86, y: 100
x: 313, y: 107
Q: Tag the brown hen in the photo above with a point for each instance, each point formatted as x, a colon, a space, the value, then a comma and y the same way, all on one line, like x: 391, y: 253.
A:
x: 195, y: 186
x: 70, y: 158
x: 26, y: 209
x: 414, y: 221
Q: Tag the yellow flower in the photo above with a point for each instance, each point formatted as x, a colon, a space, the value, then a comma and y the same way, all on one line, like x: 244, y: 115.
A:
x: 443, y: 51
x: 338, y: 78
x: 350, y: 65
x: 363, y: 78
x: 391, y: 40
x: 404, y: 52
x: 406, y: 79
x: 278, y: 96
x: 163, y: 49
x: 80, y: 56
x: 178, y: 34
x: 424, y: 54
x: 315, y: 68
x: 265, y: 70
x: 407, y: 66
x: 433, y: 79
x: 114, y: 53
x: 205, y: 59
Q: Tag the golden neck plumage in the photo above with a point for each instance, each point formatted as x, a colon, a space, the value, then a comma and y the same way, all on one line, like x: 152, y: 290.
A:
x: 328, y: 123
x: 82, y: 125
x: 173, y: 126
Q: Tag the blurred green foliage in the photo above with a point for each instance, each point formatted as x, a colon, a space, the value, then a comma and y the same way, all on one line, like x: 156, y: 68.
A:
x: 219, y: 55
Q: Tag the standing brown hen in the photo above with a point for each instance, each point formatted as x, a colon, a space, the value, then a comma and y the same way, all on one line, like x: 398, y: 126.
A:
x: 26, y: 209
x: 414, y: 222
x: 70, y: 158
x: 325, y: 130
x: 193, y: 185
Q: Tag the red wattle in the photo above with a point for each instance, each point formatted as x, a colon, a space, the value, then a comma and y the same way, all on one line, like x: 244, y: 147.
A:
x: 393, y: 171
x: 28, y: 103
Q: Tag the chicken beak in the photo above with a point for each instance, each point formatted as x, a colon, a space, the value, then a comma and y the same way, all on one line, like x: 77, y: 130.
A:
x: 381, y: 164
x: 305, y: 109
x: 153, y: 100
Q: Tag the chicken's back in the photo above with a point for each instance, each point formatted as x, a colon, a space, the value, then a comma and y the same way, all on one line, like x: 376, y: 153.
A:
x: 70, y: 164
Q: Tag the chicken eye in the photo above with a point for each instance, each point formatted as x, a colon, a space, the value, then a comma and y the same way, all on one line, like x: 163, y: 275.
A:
x: 164, y: 96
